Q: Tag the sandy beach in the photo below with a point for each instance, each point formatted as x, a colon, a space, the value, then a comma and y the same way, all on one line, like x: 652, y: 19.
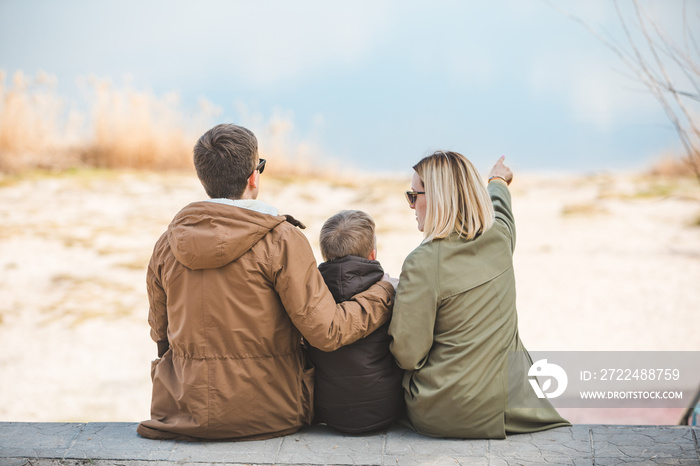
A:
x: 603, y: 262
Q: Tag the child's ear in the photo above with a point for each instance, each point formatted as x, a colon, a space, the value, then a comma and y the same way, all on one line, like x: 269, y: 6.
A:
x: 372, y: 255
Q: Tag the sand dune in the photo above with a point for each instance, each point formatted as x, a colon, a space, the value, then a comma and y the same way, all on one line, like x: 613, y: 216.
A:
x: 605, y: 262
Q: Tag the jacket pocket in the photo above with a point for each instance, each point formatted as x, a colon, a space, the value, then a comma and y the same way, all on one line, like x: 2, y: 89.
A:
x: 154, y: 363
x: 307, y: 394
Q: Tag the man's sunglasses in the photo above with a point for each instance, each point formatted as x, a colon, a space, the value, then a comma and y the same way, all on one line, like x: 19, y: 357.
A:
x: 411, y: 197
x: 261, y: 166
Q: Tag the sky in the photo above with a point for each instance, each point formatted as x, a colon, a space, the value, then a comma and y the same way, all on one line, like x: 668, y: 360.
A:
x: 376, y: 85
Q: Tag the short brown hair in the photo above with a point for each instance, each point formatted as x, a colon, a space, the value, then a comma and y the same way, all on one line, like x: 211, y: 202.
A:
x: 347, y: 233
x: 224, y: 157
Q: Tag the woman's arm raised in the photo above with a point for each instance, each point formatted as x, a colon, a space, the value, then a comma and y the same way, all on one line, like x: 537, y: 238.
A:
x: 499, y: 179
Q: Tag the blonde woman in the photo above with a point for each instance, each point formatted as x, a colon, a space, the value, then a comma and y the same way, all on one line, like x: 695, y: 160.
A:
x: 455, y: 323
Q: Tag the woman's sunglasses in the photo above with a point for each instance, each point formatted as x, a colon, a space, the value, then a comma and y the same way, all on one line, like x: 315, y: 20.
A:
x: 261, y: 166
x: 411, y: 197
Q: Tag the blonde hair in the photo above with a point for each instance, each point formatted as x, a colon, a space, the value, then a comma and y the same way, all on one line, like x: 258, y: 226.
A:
x: 456, y: 197
x: 347, y: 233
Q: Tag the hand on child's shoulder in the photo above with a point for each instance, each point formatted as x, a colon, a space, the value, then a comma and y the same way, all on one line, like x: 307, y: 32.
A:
x: 394, y: 281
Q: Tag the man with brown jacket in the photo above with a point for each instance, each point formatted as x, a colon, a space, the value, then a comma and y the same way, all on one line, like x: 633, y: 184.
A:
x: 232, y: 288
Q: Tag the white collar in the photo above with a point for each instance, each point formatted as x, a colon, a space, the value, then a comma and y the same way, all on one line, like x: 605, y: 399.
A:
x: 250, y: 204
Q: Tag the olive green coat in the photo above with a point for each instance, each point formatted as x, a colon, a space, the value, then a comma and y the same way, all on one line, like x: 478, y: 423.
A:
x: 454, y: 326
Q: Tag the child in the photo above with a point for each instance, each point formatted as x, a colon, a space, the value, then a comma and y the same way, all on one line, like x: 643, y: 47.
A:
x: 357, y: 387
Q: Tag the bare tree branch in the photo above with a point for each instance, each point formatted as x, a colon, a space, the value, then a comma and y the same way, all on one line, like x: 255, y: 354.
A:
x: 662, y: 68
x: 687, y: 32
x: 685, y: 63
x: 654, y: 75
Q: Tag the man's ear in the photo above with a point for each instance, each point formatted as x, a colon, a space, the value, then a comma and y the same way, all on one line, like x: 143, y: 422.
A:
x: 251, y: 186
x: 372, y: 255
x: 254, y: 180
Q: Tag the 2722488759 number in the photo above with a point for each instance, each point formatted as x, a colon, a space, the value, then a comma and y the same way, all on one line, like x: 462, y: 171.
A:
x: 639, y: 374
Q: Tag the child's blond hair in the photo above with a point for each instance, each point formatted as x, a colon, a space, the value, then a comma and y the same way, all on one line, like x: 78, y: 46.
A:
x: 347, y: 233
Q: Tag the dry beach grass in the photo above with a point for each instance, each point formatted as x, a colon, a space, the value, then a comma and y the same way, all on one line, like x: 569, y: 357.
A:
x: 605, y: 262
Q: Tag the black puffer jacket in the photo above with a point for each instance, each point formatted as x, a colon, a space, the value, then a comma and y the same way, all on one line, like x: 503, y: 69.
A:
x: 357, y: 387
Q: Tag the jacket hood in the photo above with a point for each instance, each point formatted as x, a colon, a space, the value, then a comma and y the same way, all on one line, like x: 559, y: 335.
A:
x: 349, y: 275
x: 207, y: 235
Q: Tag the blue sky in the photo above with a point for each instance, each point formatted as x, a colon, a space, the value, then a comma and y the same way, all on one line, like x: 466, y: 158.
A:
x: 375, y: 84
